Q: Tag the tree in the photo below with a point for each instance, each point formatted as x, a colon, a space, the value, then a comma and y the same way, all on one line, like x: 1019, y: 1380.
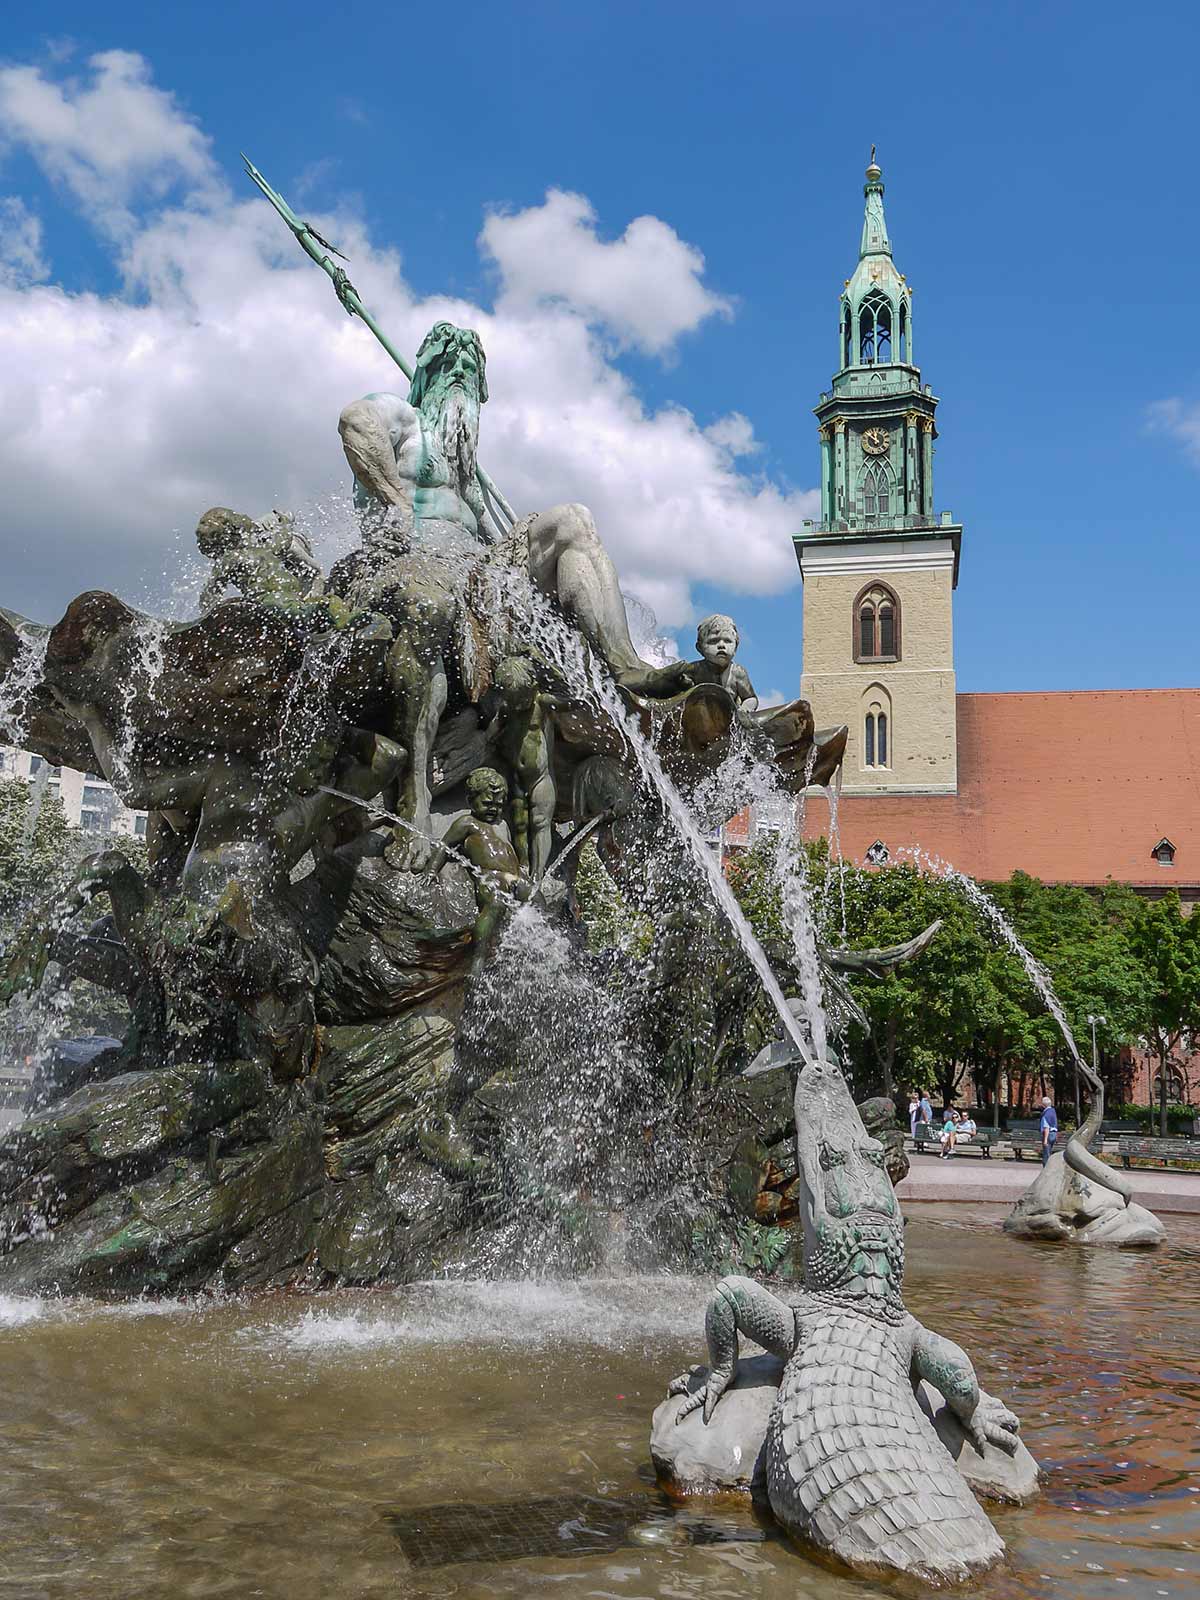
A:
x: 1167, y: 944
x: 36, y: 841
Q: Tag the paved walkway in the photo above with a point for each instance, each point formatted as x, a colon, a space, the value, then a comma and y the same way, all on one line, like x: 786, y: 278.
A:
x: 973, y: 1178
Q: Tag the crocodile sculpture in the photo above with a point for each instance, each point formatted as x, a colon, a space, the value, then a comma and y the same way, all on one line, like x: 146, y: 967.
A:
x: 854, y: 1468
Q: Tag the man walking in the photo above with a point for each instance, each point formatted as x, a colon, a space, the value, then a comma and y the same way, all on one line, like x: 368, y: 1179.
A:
x: 1048, y: 1127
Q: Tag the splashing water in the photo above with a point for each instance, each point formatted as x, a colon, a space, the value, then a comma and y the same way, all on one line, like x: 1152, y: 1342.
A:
x: 587, y: 1132
x: 33, y: 808
x: 833, y: 795
x: 991, y: 912
x: 589, y: 681
x: 17, y: 688
x: 141, y: 685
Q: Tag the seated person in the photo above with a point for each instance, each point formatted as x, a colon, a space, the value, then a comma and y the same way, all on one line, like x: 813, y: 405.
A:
x: 949, y: 1132
x: 967, y: 1126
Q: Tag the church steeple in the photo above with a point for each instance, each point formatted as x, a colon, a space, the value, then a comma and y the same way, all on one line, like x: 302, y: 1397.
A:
x: 876, y: 318
x: 880, y: 567
x: 877, y: 427
x: 875, y: 241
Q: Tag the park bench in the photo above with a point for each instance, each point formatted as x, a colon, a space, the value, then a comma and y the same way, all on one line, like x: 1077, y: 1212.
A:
x: 1027, y: 1135
x: 928, y: 1138
x: 1151, y: 1149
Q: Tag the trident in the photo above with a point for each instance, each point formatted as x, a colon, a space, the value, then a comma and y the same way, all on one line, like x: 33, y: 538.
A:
x: 316, y: 248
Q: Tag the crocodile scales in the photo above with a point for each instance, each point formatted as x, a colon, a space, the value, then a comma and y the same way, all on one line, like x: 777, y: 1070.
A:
x: 854, y: 1467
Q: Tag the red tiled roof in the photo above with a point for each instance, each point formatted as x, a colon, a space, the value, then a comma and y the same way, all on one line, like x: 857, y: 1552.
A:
x: 1074, y: 786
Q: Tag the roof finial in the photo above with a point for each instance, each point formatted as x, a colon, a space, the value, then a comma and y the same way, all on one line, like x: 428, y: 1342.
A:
x: 873, y: 171
x: 872, y: 155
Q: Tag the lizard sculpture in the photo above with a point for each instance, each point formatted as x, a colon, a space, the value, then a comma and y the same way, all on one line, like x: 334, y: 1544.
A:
x: 854, y: 1467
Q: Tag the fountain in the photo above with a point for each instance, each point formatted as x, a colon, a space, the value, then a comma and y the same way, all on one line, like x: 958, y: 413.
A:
x: 365, y: 789
x: 366, y: 1044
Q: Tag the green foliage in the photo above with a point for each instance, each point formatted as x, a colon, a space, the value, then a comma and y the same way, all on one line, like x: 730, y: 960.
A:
x: 610, y: 922
x: 1167, y: 945
x: 1179, y: 1118
x: 741, y: 1246
x: 965, y: 1011
x: 29, y: 868
x: 963, y: 1014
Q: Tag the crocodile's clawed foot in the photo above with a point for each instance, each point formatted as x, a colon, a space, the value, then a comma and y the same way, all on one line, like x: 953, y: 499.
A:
x: 683, y: 1383
x: 706, y: 1395
x: 993, y: 1423
x: 692, y: 1403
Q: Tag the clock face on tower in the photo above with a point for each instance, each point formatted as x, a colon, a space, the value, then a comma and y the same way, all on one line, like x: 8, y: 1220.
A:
x: 875, y: 441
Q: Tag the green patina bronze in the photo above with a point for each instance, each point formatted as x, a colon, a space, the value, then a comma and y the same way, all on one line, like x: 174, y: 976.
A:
x: 321, y: 251
x: 877, y: 423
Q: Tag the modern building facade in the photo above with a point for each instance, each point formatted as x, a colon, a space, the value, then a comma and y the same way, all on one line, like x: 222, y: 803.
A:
x: 89, y: 801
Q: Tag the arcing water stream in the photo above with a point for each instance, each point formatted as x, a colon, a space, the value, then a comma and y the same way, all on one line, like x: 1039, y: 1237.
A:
x: 590, y: 682
x: 992, y: 914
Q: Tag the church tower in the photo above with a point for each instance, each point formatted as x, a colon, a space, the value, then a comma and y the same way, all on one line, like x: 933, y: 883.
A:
x: 880, y: 567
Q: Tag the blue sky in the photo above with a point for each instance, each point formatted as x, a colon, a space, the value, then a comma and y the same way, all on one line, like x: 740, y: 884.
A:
x: 1038, y: 162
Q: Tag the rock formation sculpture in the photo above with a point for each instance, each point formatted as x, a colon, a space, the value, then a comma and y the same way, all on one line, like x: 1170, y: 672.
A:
x: 332, y: 855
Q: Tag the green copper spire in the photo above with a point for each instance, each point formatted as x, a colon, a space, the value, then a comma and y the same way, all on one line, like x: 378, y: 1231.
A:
x: 875, y: 241
x: 877, y: 427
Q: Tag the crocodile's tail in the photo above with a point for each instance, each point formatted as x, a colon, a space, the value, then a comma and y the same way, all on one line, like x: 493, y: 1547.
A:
x: 855, y: 1469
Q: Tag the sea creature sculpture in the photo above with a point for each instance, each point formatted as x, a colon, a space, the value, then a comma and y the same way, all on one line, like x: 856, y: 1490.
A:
x: 1077, y: 1199
x: 854, y: 1466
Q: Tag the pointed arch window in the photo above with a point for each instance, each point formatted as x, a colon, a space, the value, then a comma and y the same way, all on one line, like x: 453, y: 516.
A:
x: 876, y: 624
x: 875, y: 331
x: 877, y: 729
x: 875, y: 738
x: 876, y: 491
x: 903, y: 333
x: 846, y: 338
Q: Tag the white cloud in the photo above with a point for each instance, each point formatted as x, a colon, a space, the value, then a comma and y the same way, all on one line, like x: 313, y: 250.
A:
x: 219, y: 378
x: 1181, y: 421
x: 108, y: 136
x: 646, y: 287
x: 21, y: 258
x: 733, y: 435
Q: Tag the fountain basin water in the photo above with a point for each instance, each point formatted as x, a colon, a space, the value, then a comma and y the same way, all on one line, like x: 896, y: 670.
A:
x: 268, y: 1445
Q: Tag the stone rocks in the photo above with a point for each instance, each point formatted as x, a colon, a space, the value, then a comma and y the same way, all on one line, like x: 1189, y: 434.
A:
x: 994, y: 1475
x: 387, y: 940
x: 726, y: 1455
x: 384, y: 1083
x: 355, y: 1239
x: 879, y: 1119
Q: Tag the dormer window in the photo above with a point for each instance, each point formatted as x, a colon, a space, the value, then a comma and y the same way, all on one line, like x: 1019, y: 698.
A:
x: 876, y: 624
x: 1164, y: 853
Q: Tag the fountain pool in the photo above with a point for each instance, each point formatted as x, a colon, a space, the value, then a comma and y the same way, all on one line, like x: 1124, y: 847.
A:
x: 362, y: 1443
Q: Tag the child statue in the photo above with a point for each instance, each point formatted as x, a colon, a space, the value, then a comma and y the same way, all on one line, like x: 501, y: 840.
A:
x: 269, y: 562
x: 482, y: 836
x: 717, y: 639
x: 523, y: 728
